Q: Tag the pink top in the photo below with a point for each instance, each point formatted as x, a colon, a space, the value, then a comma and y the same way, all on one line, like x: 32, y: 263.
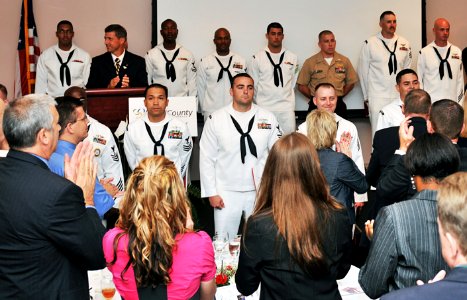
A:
x: 193, y: 262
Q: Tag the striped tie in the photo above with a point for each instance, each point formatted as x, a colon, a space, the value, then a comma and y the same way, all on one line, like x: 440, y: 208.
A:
x: 117, y: 65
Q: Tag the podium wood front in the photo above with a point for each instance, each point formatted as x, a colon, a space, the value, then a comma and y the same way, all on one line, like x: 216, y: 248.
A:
x: 110, y: 106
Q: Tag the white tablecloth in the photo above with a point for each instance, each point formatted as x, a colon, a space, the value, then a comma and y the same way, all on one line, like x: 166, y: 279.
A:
x: 348, y: 287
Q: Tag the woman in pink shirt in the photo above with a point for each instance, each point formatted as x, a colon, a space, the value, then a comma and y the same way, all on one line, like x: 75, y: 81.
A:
x: 151, y: 244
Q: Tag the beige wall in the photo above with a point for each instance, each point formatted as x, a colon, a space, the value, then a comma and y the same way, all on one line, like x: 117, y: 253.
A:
x: 88, y: 24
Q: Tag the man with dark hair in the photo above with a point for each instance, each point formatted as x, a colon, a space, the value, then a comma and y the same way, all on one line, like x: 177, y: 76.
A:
x: 327, y: 66
x: 274, y: 71
x: 381, y: 57
x: 234, y: 147
x: 395, y: 181
x: 171, y: 64
x: 74, y: 129
x: 117, y: 68
x: 215, y: 74
x: 3, y: 93
x: 405, y: 245
x: 105, y: 148
x: 440, y: 66
x: 386, y: 141
x: 157, y: 133
x: 51, y: 234
x: 452, y: 226
x: 62, y: 65
x: 393, y: 113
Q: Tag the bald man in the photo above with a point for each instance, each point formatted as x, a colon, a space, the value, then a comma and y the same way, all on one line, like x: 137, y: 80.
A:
x: 440, y: 66
x: 215, y: 73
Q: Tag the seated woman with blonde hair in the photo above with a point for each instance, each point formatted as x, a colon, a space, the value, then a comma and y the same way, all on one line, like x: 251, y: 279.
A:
x: 151, y: 250
x: 297, y: 242
x: 341, y: 172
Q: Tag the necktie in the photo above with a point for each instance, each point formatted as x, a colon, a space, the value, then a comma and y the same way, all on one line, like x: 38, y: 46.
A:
x: 159, y: 142
x: 246, y: 136
x: 64, y: 69
x: 169, y: 67
x: 224, y: 69
x: 392, y: 63
x: 442, y: 62
x: 117, y: 65
x: 277, y: 69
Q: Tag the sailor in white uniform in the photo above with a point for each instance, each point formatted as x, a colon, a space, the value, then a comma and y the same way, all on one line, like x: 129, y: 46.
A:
x: 171, y: 64
x: 215, y: 73
x: 158, y: 133
x: 440, y: 66
x: 326, y: 98
x: 393, y: 113
x: 275, y: 70
x: 62, y: 65
x: 382, y: 56
x: 233, y: 150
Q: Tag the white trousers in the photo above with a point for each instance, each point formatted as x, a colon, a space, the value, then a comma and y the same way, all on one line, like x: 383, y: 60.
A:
x: 228, y: 218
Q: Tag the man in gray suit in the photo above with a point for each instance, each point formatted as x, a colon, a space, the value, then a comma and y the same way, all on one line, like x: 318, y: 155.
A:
x: 405, y: 245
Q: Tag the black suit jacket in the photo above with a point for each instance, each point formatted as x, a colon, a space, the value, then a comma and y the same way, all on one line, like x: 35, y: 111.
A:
x: 265, y: 258
x: 453, y: 286
x: 103, y: 70
x: 396, y: 182
x: 48, y: 239
x: 385, y: 142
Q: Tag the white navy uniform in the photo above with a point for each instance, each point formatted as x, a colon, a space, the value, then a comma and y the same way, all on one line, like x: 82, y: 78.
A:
x: 357, y: 156
x: 279, y: 99
x: 48, y: 78
x: 106, y: 153
x: 184, y: 83
x: 378, y: 84
x: 221, y: 169
x: 213, y: 94
x: 176, y: 141
x: 390, y: 115
x: 429, y: 73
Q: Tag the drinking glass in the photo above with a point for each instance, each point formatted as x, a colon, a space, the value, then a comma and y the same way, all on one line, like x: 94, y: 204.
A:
x: 234, y: 245
x: 220, y: 240
x: 107, y: 287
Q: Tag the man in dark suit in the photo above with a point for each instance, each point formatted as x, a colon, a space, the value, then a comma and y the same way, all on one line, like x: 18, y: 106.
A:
x: 452, y: 225
x: 49, y: 238
x: 447, y: 118
x: 117, y: 68
x: 417, y: 106
x: 405, y: 245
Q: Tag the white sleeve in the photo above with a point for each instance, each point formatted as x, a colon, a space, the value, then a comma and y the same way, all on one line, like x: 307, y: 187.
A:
x: 460, y: 85
x: 295, y: 75
x: 357, y: 157
x: 41, y: 76
x: 191, y: 77
x: 276, y: 133
x: 149, y: 68
x: 201, y: 84
x: 253, y: 71
x: 87, y: 69
x: 186, y: 146
x: 382, y: 121
x: 421, y: 68
x: 130, y: 151
x: 111, y: 163
x: 408, y: 58
x: 363, y: 69
x: 208, y: 153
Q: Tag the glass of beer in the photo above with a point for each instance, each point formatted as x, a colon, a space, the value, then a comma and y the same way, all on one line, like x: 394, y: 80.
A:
x: 234, y: 245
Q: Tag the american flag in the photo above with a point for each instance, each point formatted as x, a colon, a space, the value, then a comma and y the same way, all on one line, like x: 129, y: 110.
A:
x: 28, y: 52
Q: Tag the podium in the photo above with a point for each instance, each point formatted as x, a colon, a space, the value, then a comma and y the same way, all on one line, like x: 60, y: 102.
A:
x: 110, y: 106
